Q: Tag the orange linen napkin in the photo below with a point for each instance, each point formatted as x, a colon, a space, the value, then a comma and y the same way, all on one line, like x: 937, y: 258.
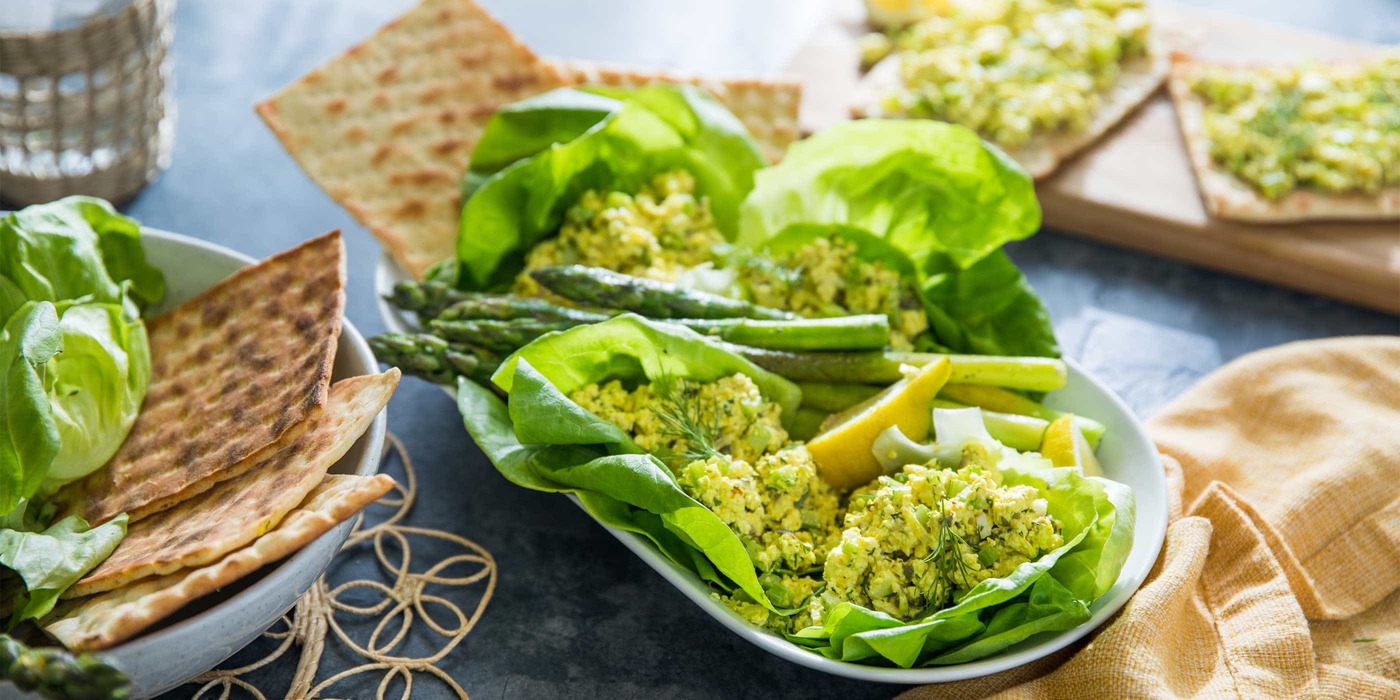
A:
x: 1281, y: 577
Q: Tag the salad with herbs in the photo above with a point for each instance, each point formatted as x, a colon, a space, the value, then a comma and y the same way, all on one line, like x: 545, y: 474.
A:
x: 814, y: 385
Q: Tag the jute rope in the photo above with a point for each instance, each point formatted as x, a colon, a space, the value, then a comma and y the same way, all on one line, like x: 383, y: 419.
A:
x: 404, y: 601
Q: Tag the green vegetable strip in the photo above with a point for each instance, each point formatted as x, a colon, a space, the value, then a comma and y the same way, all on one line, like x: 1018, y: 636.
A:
x: 509, y: 307
x: 498, y: 336
x: 427, y: 299
x: 834, y: 398
x: 595, y: 286
x: 995, y: 399
x: 433, y: 358
x: 1029, y: 373
x: 807, y: 423
x: 864, y: 332
x: 1018, y: 432
x: 57, y: 673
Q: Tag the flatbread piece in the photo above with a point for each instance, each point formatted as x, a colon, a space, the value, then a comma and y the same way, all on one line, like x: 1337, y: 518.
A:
x: 107, y: 619
x: 1044, y: 153
x: 237, y: 511
x: 1227, y: 197
x: 766, y: 106
x: 231, y: 370
x: 387, y: 128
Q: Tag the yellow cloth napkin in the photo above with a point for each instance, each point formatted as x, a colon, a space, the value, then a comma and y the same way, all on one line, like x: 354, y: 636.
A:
x: 1280, y: 578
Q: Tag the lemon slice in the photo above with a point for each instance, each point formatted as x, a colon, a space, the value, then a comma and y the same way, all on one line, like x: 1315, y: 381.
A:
x: 843, y: 452
x: 1065, y: 446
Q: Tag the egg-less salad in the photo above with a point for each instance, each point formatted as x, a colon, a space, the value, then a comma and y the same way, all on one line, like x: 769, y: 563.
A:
x: 1333, y: 129
x: 905, y: 544
x: 1014, y: 69
x: 959, y: 547
x: 669, y: 291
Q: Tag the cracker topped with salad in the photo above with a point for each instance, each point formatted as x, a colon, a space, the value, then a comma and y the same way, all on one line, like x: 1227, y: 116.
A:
x: 1042, y: 79
x: 1280, y: 143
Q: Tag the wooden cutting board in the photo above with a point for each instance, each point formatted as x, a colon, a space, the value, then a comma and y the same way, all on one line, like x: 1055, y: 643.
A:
x: 1135, y: 187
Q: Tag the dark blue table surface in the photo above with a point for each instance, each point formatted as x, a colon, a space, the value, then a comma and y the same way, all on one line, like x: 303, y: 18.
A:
x: 575, y: 614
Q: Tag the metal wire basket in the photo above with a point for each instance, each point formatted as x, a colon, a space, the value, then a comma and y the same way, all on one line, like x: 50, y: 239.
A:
x: 86, y: 109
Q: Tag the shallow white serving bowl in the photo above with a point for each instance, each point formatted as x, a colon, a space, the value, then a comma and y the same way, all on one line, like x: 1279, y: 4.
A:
x: 1126, y: 452
x: 213, y: 628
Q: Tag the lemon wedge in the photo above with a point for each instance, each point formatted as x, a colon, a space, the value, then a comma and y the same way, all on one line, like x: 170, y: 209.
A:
x: 1065, y: 446
x: 897, y: 13
x: 843, y: 452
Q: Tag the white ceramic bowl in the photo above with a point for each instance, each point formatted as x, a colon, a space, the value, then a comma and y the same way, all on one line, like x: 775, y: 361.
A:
x: 213, y: 628
x: 1126, y: 453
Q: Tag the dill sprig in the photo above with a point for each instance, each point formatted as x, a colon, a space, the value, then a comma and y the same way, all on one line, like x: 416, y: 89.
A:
x: 946, y: 551
x: 682, y: 415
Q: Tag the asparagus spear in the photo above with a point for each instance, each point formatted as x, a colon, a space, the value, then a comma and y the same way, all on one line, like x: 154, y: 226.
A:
x: 595, y: 286
x: 1030, y: 373
x: 862, y: 332
x: 57, y: 673
x: 507, y: 307
x: 427, y: 299
x: 496, y: 335
x: 433, y: 358
x: 807, y: 423
x: 834, y: 398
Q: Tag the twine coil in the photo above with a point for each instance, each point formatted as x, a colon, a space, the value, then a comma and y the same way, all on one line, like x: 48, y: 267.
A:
x: 87, y: 109
x: 404, y: 600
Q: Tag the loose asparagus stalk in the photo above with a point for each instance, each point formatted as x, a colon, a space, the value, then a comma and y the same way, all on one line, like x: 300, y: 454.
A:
x: 595, y: 286
x: 433, y: 358
x: 838, y: 333
x: 498, y: 336
x: 862, y: 332
x: 807, y: 423
x: 996, y: 399
x: 1030, y: 373
x: 834, y: 398
x: 57, y: 673
x: 427, y: 299
x: 506, y: 307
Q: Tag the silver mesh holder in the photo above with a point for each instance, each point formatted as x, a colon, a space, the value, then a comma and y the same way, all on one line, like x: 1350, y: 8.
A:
x: 86, y: 109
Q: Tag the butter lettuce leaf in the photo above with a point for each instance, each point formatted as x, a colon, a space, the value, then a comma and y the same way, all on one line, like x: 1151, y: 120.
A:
x: 71, y: 249
x: 537, y: 156
x: 85, y: 262
x: 95, y: 386
x: 542, y: 440
x: 52, y: 560
x: 30, y: 438
x: 1051, y: 593
x: 940, y: 196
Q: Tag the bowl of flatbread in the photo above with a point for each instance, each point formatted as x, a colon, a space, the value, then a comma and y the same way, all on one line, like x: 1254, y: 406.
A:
x: 258, y: 443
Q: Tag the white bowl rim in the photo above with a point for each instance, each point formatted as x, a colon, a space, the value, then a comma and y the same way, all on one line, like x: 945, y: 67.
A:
x: 278, y: 576
x: 1151, y: 534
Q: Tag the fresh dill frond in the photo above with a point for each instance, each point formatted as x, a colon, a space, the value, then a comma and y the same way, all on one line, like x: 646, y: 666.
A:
x: 682, y: 415
x: 946, y: 553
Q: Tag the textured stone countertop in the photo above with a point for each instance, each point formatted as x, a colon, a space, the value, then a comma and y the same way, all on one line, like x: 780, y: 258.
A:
x: 575, y: 614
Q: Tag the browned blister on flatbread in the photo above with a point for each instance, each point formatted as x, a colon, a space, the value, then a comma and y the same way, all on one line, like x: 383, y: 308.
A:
x: 1228, y: 197
x: 766, y: 106
x: 237, y: 511
x: 232, y: 370
x: 106, y: 619
x: 387, y: 128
